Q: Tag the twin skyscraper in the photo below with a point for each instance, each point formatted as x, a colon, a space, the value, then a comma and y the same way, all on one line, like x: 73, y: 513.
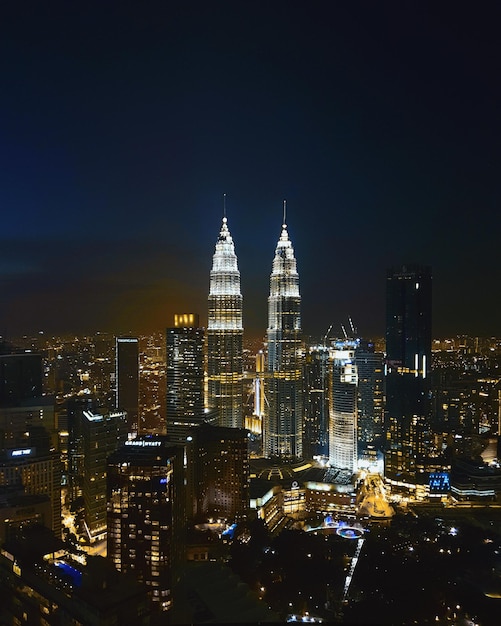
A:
x: 282, y: 426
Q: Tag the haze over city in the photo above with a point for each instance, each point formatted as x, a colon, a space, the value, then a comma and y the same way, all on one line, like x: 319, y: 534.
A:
x: 122, y: 126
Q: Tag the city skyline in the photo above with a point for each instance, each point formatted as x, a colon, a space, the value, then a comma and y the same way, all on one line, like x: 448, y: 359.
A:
x: 122, y: 128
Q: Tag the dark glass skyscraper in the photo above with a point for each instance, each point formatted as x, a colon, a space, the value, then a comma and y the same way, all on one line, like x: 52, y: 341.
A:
x: 316, y: 399
x: 407, y: 369
x: 370, y: 395
x: 225, y: 334
x: 283, y: 428
x: 185, y: 376
x: 127, y: 379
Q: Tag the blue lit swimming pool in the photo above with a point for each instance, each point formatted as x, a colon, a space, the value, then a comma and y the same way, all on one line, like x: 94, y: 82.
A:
x: 74, y: 574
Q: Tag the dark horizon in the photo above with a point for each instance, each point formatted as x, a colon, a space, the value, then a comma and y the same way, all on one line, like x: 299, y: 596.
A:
x: 123, y: 126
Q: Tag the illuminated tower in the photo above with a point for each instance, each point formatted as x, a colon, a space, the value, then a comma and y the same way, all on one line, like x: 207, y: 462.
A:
x: 343, y: 407
x: 283, y: 428
x: 225, y: 334
x: 407, y: 369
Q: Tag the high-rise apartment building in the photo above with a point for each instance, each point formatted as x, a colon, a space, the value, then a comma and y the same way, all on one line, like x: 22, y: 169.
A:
x: 127, y: 379
x: 102, y: 433
x: 184, y: 376
x: 407, y: 369
x: 218, y: 467
x: 146, y: 514
x: 343, y: 389
x: 225, y: 334
x: 283, y: 428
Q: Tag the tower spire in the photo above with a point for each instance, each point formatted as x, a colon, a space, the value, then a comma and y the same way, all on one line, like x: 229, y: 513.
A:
x: 224, y: 205
x: 285, y: 213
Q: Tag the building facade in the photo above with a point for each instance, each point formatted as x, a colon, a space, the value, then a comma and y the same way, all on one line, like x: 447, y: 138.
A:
x: 370, y: 415
x: 407, y: 370
x: 146, y: 514
x: 218, y: 469
x: 316, y: 396
x: 102, y: 433
x: 343, y: 389
x: 225, y: 334
x: 184, y: 376
x: 283, y: 428
x: 127, y: 379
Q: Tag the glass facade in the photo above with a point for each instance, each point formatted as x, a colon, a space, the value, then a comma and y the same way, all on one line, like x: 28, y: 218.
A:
x: 283, y: 430
x: 127, y: 379
x: 407, y: 369
x: 343, y: 409
x: 185, y: 376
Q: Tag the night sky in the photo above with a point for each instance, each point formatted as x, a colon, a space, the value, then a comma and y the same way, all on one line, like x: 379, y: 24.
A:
x: 122, y: 124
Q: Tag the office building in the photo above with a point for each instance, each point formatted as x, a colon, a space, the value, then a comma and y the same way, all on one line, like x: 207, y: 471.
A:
x: 283, y: 428
x: 343, y: 388
x: 370, y: 415
x: 184, y: 376
x: 127, y: 379
x: 316, y: 398
x: 407, y: 370
x: 225, y: 334
x: 37, y: 472
x: 146, y: 514
x: 218, y: 469
x: 20, y: 375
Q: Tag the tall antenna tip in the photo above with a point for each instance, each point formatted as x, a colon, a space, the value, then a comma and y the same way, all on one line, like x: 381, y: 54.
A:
x: 285, y: 213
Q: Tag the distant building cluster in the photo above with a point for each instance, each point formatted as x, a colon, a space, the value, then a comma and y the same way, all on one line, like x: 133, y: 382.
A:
x: 133, y: 450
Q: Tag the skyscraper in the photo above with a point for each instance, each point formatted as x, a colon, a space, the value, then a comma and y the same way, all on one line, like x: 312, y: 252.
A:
x: 127, y: 379
x: 283, y: 427
x: 407, y: 369
x: 102, y: 434
x: 370, y: 395
x: 225, y: 334
x: 185, y: 376
x: 146, y: 513
x: 343, y: 407
x: 316, y: 400
x: 218, y: 466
